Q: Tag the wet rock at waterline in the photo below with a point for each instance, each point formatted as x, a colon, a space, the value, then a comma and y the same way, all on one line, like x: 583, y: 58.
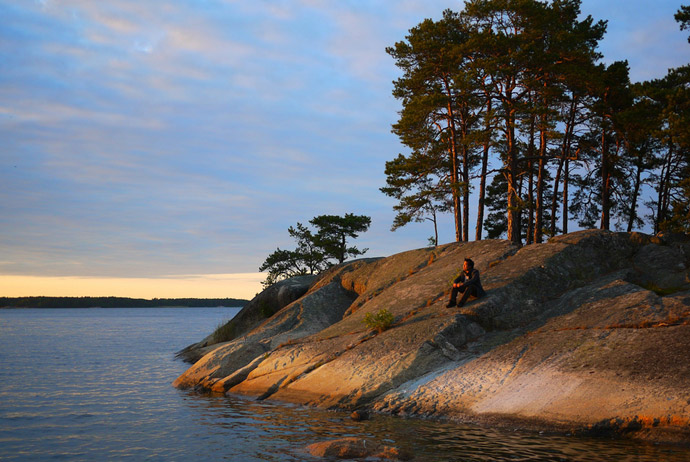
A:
x: 356, y: 448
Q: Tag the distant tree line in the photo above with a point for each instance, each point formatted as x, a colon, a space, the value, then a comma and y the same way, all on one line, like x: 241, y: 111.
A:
x: 115, y: 302
x: 511, y: 95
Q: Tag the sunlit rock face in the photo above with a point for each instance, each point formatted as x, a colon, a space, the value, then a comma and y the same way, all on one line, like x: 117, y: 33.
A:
x: 356, y: 448
x: 260, y: 308
x: 588, y: 332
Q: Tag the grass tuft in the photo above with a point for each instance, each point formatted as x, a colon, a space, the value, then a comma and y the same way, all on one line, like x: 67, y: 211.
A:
x: 380, y: 321
x: 224, y: 332
x: 266, y: 310
x: 661, y: 291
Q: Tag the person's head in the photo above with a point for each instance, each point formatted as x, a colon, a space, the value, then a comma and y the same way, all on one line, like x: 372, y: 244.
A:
x: 468, y: 264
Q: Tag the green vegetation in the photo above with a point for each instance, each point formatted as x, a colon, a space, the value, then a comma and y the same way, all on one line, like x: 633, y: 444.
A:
x: 115, y: 302
x: 682, y: 16
x: 316, y: 251
x: 516, y: 94
x: 662, y: 291
x: 266, y: 310
x: 224, y: 332
x: 679, y: 219
x: 380, y: 321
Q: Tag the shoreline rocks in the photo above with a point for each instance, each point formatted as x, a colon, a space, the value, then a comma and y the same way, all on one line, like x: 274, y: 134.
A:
x: 586, y: 333
x: 356, y: 448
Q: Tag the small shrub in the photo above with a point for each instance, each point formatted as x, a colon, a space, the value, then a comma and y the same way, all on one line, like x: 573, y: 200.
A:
x: 380, y: 321
x: 266, y: 310
x: 457, y: 275
x: 224, y: 332
x: 661, y: 291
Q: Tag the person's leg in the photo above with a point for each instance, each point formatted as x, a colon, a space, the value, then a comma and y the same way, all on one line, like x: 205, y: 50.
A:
x: 470, y: 291
x: 453, y: 297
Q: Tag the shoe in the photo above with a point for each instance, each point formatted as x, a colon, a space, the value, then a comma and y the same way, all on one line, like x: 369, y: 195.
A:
x: 450, y: 305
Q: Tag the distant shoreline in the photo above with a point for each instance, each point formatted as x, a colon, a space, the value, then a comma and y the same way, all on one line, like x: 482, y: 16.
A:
x: 117, y: 302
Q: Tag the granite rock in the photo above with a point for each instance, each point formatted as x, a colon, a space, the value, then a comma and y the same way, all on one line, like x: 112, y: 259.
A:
x: 588, y: 332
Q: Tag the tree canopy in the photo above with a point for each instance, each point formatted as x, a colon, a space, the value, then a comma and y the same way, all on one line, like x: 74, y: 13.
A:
x: 316, y: 250
x: 512, y: 93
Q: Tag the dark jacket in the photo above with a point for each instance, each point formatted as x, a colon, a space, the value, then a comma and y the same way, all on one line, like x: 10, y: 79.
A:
x: 471, y: 280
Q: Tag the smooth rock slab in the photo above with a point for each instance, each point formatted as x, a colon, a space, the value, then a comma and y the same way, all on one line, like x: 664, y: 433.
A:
x: 590, y: 327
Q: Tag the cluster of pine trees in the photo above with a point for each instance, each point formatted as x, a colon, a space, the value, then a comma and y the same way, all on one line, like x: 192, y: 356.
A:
x: 316, y: 250
x: 511, y: 96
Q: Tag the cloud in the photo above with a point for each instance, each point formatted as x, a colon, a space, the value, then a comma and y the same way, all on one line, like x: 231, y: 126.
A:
x: 156, y: 137
x: 646, y: 36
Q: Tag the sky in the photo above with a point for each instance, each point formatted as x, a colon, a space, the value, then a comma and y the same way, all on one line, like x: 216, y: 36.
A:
x: 162, y: 149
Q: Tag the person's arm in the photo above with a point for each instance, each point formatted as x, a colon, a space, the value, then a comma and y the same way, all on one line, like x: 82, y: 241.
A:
x: 474, y: 278
x: 459, y: 280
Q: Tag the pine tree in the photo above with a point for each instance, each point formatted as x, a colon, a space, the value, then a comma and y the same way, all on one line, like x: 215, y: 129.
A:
x: 438, y: 117
x: 672, y: 95
x: 316, y: 250
x: 528, y: 50
x: 334, y: 232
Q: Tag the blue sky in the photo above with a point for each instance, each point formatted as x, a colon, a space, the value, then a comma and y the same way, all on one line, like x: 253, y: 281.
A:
x: 144, y: 140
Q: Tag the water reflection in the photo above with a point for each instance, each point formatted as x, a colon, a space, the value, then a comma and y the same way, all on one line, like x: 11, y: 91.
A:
x: 95, y: 385
x: 264, y: 430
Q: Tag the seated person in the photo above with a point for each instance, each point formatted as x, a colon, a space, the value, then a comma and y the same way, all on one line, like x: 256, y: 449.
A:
x: 468, y: 284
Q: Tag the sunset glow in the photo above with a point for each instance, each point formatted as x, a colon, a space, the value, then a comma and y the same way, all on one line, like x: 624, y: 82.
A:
x: 244, y: 285
x: 140, y: 140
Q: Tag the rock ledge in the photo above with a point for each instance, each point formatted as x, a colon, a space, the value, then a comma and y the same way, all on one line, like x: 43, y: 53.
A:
x: 587, y: 333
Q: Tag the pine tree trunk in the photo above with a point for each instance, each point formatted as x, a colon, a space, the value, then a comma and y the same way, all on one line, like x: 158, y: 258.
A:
x: 452, y: 150
x: 513, y: 212
x: 530, y: 185
x: 554, y: 199
x: 566, y: 148
x: 605, y: 185
x: 485, y: 166
x: 435, y: 228
x: 465, y: 181
x: 466, y: 197
x: 664, y: 188
x: 539, y: 206
x: 566, y: 177
x: 636, y: 192
x: 530, y: 200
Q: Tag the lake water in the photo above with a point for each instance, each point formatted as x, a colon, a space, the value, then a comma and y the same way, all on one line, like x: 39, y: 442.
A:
x: 94, y: 384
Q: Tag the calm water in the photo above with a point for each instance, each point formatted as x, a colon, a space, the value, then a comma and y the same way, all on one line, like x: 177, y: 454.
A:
x: 95, y: 384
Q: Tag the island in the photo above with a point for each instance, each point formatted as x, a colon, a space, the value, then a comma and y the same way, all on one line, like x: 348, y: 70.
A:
x: 587, y: 334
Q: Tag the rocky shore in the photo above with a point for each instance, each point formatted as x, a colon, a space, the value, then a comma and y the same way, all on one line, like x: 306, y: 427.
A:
x: 588, y: 333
